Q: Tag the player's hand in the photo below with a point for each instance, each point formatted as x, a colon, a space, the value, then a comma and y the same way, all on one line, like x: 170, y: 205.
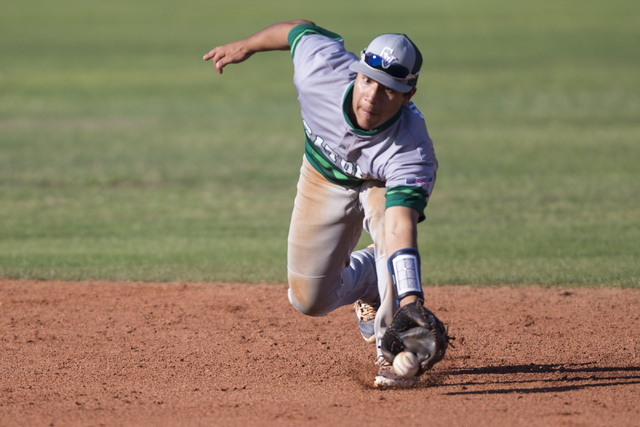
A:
x: 416, y: 329
x: 231, y: 53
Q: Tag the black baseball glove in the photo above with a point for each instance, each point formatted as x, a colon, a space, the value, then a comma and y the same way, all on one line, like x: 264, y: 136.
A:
x: 418, y: 330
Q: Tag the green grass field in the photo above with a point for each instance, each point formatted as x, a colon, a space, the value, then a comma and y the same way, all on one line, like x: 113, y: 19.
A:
x: 124, y: 156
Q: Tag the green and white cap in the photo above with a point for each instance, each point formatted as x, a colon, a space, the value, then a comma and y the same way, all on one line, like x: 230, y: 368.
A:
x: 391, y: 59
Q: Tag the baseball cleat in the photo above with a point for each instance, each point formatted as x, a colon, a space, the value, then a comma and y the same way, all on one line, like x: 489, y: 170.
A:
x: 387, y: 377
x: 365, y: 315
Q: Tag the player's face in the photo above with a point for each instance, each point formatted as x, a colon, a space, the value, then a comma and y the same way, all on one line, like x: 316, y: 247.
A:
x: 373, y: 103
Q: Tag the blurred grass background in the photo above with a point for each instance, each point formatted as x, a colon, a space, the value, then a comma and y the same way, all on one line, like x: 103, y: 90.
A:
x: 124, y: 156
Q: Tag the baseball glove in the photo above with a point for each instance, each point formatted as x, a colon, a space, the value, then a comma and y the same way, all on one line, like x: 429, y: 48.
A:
x: 418, y: 330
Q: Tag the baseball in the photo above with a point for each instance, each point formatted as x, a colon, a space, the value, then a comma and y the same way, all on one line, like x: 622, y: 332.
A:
x: 406, y: 364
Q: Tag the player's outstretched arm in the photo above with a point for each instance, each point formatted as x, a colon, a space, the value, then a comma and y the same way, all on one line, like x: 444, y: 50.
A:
x: 401, y: 233
x: 273, y: 37
x: 414, y: 328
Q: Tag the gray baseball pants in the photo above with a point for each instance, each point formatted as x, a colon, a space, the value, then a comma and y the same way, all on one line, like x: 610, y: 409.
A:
x: 324, y: 273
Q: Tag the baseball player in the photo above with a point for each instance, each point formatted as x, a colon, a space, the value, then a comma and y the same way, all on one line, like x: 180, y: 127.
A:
x: 368, y: 163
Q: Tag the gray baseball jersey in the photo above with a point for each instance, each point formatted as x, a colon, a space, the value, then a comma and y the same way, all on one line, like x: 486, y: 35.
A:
x: 400, y: 152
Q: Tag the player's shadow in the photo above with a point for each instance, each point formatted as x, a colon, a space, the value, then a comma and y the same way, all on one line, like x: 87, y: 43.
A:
x: 562, y: 377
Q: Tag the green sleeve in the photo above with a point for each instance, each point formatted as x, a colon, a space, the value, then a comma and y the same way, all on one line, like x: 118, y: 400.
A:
x: 413, y: 197
x: 302, y: 30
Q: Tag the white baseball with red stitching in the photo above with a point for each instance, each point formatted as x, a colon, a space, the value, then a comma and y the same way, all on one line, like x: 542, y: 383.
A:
x: 406, y: 364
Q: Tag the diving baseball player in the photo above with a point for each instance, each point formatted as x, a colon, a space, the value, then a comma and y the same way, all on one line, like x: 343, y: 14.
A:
x: 368, y: 163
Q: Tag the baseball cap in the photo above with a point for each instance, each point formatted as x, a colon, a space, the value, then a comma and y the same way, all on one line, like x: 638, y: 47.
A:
x: 391, y: 59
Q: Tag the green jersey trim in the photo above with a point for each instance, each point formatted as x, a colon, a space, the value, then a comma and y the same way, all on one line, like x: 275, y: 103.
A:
x: 302, y: 30
x: 346, y: 108
x: 414, y: 197
x: 320, y: 162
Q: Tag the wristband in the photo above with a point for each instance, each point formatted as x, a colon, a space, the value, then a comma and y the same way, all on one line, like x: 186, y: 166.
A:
x: 404, y: 269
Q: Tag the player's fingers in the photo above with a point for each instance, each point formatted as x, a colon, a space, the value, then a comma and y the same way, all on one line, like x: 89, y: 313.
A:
x: 210, y: 55
x: 216, y: 55
x: 220, y: 63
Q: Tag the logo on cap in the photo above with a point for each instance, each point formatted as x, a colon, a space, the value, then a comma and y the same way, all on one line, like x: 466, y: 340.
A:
x: 387, y: 57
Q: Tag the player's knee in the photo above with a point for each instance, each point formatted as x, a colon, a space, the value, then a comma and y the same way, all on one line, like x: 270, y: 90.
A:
x: 306, y: 308
x: 304, y: 297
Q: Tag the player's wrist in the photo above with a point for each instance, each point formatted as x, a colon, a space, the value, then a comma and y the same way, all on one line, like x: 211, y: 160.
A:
x: 404, y: 269
x: 408, y: 300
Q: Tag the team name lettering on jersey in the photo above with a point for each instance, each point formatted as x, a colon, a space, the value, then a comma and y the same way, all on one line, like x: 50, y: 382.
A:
x: 350, y: 168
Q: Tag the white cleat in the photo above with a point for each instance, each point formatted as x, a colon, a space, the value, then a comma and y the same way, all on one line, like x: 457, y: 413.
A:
x: 387, y: 377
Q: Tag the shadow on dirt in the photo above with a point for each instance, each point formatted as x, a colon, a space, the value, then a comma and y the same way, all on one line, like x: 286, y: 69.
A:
x: 559, y: 377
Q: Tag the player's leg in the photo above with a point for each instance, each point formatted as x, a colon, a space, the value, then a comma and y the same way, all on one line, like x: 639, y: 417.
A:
x: 326, y: 224
x: 373, y: 198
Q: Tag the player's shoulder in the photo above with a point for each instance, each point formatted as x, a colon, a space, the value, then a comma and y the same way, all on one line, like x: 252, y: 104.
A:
x: 310, y: 32
x: 412, y: 108
x: 414, y: 125
x: 319, y: 57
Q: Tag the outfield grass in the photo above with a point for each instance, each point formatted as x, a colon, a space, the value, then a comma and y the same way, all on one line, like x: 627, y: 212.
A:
x: 124, y: 156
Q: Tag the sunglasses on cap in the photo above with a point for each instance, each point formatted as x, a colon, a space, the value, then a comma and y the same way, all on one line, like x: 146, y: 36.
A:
x: 394, y: 70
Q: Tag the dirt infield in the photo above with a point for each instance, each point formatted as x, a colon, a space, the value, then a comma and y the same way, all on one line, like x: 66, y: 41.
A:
x: 141, y: 354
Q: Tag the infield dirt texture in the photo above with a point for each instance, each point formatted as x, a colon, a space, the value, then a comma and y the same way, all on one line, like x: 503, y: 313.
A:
x: 183, y: 354
x: 124, y: 157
